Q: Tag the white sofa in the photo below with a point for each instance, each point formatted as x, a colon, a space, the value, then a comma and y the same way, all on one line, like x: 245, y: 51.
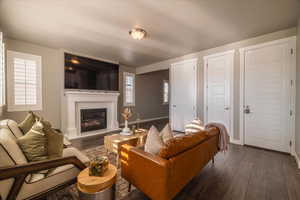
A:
x: 20, y: 179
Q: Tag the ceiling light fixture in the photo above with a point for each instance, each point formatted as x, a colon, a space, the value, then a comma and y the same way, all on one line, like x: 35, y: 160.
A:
x: 138, y: 33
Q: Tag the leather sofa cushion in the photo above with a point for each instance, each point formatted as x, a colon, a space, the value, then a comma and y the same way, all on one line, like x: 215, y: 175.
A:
x: 178, y: 145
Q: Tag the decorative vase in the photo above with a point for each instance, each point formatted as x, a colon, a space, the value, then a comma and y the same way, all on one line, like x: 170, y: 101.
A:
x: 126, y: 130
x: 98, y: 166
x: 126, y: 114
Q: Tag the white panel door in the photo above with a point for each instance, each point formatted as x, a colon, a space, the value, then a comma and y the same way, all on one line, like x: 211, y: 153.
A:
x: 183, y: 94
x: 219, y: 89
x: 266, y: 97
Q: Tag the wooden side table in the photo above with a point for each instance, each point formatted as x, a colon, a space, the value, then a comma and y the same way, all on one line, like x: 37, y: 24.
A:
x: 113, y: 143
x: 97, y: 188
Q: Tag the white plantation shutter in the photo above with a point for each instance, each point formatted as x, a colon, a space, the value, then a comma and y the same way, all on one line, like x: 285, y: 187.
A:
x: 2, y: 72
x: 24, y: 74
x: 129, y: 89
x: 166, y: 92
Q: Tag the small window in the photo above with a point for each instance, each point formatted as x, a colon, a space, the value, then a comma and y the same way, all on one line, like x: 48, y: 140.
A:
x: 129, y: 89
x: 166, y: 92
x: 24, y: 81
x: 2, y: 72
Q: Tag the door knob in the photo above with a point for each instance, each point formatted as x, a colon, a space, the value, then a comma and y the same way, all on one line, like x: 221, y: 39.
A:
x: 226, y: 108
x: 174, y: 106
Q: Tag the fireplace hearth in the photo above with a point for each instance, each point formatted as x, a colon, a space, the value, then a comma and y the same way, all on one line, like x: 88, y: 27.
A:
x: 93, y: 119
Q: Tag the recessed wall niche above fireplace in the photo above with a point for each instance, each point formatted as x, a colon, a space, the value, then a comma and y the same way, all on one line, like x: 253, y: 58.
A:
x: 93, y: 119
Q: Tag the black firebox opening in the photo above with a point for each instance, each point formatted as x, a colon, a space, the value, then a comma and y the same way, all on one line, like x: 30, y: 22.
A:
x: 93, y: 119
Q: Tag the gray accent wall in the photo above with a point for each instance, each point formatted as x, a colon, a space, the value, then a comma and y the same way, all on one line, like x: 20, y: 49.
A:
x: 297, y: 141
x: 149, y: 95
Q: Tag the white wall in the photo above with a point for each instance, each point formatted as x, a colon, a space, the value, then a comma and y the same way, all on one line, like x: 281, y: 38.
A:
x: 260, y: 39
x: 298, y: 94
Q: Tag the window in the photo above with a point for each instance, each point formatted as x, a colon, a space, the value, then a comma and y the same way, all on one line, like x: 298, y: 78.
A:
x: 2, y: 72
x: 166, y: 92
x: 24, y: 81
x: 129, y: 89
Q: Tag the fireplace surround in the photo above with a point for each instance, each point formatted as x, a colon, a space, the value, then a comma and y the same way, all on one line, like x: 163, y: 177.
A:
x: 75, y: 101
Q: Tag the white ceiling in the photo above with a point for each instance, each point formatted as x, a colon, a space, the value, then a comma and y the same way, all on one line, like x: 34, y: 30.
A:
x: 175, y: 27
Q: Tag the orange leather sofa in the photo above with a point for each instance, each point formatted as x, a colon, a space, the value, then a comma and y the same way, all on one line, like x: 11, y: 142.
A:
x: 162, y: 176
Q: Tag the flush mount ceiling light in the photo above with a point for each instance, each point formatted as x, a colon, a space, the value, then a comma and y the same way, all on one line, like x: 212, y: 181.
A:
x: 138, y: 33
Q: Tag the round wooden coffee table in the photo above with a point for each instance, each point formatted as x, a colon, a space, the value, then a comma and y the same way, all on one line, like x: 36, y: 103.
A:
x: 96, y: 188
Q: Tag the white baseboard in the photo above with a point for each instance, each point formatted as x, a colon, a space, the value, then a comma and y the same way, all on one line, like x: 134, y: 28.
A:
x: 297, y: 160
x: 145, y: 120
x: 234, y: 141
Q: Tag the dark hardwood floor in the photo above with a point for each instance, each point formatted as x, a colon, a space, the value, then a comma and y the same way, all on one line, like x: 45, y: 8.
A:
x: 242, y: 173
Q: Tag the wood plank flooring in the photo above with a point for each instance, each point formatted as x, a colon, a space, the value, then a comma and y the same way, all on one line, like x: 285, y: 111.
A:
x: 243, y: 173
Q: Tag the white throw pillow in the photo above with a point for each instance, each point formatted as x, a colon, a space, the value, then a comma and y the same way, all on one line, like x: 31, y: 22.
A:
x: 153, y: 142
x: 166, y: 133
x: 194, y: 127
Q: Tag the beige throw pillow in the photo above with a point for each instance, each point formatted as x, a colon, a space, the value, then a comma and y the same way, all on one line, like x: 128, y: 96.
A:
x: 166, y: 133
x: 34, y: 143
x: 154, y: 141
x: 28, y: 122
x: 194, y: 127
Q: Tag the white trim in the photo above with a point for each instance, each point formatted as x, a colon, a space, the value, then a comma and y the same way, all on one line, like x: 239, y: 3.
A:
x: 125, y: 104
x: 242, y: 74
x: 292, y: 76
x: 145, y: 120
x: 192, y: 61
x: 235, y: 141
x: 297, y: 160
x: 11, y: 107
x: 230, y: 53
x: 3, y: 74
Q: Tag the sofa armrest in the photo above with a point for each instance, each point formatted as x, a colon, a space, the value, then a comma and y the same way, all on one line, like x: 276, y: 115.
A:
x: 146, y: 171
x: 71, y: 151
x: 33, y: 167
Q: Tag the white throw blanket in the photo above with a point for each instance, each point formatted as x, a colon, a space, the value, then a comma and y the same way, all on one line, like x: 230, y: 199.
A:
x: 223, y: 137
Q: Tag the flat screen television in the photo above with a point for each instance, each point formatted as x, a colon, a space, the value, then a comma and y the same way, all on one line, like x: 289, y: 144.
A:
x: 90, y: 74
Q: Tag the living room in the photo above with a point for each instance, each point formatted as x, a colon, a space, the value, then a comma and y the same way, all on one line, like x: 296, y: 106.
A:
x: 139, y: 100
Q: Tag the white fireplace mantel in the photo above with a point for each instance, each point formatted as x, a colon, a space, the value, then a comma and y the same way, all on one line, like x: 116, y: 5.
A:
x: 76, y: 100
